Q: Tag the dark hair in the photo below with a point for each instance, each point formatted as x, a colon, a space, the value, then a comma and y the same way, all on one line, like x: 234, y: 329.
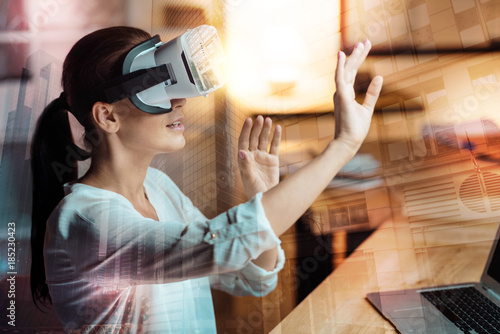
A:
x: 93, y: 60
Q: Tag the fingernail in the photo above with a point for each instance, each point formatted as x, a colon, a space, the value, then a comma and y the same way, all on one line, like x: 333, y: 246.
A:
x: 358, y: 44
x: 242, y: 155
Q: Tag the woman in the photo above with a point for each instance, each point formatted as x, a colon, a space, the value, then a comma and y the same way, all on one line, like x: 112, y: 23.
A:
x: 122, y: 246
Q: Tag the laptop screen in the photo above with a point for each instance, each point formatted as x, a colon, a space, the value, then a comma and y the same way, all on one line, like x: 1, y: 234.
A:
x: 494, y: 267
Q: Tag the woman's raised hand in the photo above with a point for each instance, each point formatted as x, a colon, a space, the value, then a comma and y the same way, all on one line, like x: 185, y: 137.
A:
x: 259, y: 168
x: 352, y: 120
x: 287, y: 201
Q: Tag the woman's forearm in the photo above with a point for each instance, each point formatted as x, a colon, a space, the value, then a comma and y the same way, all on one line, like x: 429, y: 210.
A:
x: 287, y: 201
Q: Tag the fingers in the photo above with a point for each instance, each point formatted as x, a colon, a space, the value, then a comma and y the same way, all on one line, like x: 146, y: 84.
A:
x: 243, y: 141
x: 347, y: 68
x: 373, y: 92
x: 256, y: 136
x: 339, y: 72
x: 264, y: 135
x: 275, y: 143
x: 358, y: 56
x: 255, y: 133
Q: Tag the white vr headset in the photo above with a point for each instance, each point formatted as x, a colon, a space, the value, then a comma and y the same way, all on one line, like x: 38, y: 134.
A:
x: 190, y: 65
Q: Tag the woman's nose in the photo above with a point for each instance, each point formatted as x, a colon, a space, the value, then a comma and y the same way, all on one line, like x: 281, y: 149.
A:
x: 178, y: 103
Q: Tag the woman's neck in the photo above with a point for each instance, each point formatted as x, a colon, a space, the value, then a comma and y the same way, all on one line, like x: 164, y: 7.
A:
x: 120, y: 173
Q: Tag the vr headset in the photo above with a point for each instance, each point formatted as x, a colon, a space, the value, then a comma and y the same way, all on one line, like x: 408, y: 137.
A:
x: 190, y: 65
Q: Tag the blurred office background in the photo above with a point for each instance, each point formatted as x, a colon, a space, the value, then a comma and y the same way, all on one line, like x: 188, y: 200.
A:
x: 430, y: 161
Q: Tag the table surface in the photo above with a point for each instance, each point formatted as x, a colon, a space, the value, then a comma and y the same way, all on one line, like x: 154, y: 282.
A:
x: 392, y: 258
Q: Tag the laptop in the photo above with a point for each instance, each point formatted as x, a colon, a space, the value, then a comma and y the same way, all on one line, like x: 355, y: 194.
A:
x: 457, y: 308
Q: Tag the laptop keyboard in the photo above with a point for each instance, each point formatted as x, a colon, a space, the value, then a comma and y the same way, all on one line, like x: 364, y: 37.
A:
x: 467, y: 308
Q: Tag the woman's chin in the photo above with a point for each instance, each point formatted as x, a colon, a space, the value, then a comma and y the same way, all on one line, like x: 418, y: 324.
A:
x: 175, y: 146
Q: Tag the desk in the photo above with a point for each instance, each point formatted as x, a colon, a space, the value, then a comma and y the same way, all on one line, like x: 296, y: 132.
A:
x: 392, y: 258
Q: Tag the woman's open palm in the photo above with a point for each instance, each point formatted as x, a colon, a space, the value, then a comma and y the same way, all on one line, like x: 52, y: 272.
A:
x: 259, y: 167
x: 352, y: 120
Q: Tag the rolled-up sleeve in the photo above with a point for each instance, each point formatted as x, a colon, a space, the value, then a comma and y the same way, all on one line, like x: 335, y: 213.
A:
x: 251, y: 280
x: 241, y: 234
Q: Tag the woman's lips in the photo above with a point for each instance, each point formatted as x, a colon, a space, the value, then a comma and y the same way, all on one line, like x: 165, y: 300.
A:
x: 177, y: 125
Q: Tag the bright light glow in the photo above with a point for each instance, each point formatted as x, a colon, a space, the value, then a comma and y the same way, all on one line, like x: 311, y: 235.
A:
x: 282, y: 54
x: 285, y: 54
x: 278, y: 73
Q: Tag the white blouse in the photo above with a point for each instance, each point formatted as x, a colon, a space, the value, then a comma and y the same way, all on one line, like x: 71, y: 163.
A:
x: 109, y: 267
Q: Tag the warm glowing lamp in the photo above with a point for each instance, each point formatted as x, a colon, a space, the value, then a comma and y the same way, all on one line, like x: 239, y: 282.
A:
x: 285, y: 55
x: 282, y: 54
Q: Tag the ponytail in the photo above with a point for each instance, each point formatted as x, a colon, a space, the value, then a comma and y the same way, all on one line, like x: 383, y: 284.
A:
x: 54, y: 159
x: 93, y: 60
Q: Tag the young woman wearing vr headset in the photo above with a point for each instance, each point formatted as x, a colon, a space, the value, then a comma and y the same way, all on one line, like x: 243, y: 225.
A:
x: 122, y: 246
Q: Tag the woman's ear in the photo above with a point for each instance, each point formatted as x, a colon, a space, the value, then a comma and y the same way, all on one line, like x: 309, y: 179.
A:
x: 104, y: 117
